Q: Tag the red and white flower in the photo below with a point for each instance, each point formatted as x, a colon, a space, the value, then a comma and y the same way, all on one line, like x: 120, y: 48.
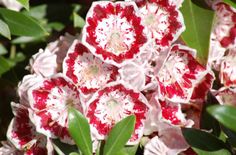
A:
x: 181, y: 74
x: 49, y: 101
x: 163, y: 21
x: 21, y: 132
x: 223, y: 33
x: 113, y: 31
x: 113, y: 103
x: 228, y: 69
x: 88, y: 72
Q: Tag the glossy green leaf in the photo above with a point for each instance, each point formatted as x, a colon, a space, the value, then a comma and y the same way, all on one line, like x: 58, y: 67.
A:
x: 231, y: 3
x: 21, y: 24
x: 24, y: 3
x: 231, y: 136
x: 198, y: 23
x: 80, y: 131
x: 3, y: 50
x: 226, y: 115
x: 38, y: 12
x: 4, y: 30
x: 62, y: 148
x: 202, y: 140
x: 119, y: 135
x: 78, y: 21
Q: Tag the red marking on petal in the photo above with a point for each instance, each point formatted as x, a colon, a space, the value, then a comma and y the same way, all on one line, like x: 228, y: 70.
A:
x: 123, y: 102
x: 104, y: 11
x: 86, y: 70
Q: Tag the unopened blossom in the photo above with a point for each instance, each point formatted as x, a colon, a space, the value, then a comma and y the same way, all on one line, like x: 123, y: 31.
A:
x: 181, y: 75
x: 50, y: 100
x: 24, y: 85
x: 112, y: 104
x: 43, y: 63
x: 21, y: 132
x: 155, y: 147
x: 60, y: 47
x: 88, y: 72
x: 113, y: 31
x: 162, y: 20
x: 223, y: 33
x: 11, y: 4
x: 169, y: 141
x: 228, y: 69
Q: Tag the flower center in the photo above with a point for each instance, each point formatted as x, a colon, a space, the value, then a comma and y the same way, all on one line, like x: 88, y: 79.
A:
x: 150, y: 20
x: 116, y: 44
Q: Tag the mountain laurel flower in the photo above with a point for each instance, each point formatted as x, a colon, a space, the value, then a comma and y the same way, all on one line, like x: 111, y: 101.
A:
x: 181, y: 74
x: 228, y: 69
x: 162, y: 20
x: 49, y: 101
x: 113, y: 31
x: 22, y: 133
x: 88, y: 72
x: 113, y: 103
x: 223, y: 33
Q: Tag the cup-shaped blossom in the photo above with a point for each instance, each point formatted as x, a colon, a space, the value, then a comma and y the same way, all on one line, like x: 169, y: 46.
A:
x: 162, y: 20
x: 22, y: 133
x: 181, y: 75
x: 113, y: 103
x: 50, y: 100
x: 228, y: 69
x: 88, y: 72
x: 223, y: 33
x: 113, y: 31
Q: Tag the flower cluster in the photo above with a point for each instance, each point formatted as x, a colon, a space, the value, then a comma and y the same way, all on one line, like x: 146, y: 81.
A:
x: 125, y: 62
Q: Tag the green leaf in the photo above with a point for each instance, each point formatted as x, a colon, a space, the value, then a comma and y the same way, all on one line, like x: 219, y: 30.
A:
x: 131, y: 150
x: 5, y: 65
x: 21, y: 24
x: 230, y: 2
x: 231, y: 136
x: 226, y: 115
x: 62, y: 148
x: 4, y: 30
x: 24, y: 39
x: 24, y: 3
x: 198, y: 29
x: 73, y: 153
x: 78, y: 21
x: 38, y: 12
x: 204, y: 142
x: 3, y: 50
x: 119, y: 135
x: 80, y: 131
